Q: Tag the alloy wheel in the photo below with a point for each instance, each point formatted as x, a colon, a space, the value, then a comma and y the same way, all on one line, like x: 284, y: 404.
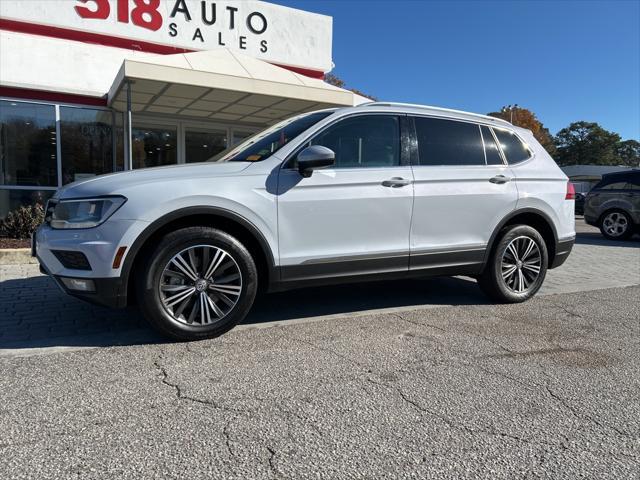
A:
x: 200, y: 285
x: 615, y: 224
x: 521, y: 264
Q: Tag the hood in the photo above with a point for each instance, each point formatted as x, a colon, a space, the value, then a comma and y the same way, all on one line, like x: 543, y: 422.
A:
x: 113, y: 183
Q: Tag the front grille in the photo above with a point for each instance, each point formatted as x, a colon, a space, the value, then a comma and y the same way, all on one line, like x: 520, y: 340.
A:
x: 72, y: 260
x: 48, y: 211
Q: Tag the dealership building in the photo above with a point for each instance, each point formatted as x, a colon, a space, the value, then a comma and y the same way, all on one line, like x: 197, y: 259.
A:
x: 89, y: 87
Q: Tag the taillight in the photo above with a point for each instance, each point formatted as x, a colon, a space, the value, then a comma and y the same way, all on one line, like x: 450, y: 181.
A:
x: 571, y: 192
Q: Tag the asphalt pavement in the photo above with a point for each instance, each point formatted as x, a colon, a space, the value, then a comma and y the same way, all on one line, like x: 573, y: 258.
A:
x: 545, y: 389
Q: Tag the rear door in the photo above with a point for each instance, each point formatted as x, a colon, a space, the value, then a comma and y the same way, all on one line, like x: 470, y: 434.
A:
x: 352, y: 218
x: 463, y: 189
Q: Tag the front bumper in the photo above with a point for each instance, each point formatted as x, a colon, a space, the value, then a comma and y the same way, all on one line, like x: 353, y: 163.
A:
x: 99, y: 245
x: 563, y: 249
x: 108, y: 292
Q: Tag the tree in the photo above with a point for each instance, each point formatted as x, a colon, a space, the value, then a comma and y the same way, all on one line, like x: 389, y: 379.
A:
x: 332, y: 79
x: 628, y: 153
x: 587, y: 143
x: 336, y: 81
x: 525, y: 118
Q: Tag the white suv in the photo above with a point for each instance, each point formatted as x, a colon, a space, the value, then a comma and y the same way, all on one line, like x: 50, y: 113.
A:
x: 365, y: 193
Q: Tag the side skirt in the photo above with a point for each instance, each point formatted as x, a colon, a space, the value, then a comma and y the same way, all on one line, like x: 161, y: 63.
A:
x: 460, y: 262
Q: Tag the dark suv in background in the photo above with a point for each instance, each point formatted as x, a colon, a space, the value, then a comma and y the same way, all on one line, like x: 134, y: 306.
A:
x: 613, y: 205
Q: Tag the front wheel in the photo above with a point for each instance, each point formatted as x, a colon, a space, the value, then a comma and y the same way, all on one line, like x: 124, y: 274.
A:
x: 198, y: 283
x: 517, y: 266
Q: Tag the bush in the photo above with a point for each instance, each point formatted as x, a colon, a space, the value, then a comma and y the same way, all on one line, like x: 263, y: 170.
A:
x: 22, y: 222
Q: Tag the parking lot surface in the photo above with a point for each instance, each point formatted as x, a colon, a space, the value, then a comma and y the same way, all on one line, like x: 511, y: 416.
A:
x: 422, y: 379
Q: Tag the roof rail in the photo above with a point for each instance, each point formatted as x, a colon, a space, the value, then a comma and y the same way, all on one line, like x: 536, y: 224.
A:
x: 439, y: 109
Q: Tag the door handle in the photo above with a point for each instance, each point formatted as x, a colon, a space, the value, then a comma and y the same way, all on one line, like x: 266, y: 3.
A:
x: 396, y: 182
x: 499, y: 179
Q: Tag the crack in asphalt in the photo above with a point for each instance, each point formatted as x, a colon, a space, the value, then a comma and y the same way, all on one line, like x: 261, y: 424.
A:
x: 227, y: 438
x: 577, y: 413
x: 225, y: 431
x: 459, y: 426
x: 569, y: 312
x: 272, y: 456
x: 182, y: 396
x: 418, y: 324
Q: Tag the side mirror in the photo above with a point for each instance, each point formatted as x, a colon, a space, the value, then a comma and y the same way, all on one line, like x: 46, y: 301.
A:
x: 313, y: 158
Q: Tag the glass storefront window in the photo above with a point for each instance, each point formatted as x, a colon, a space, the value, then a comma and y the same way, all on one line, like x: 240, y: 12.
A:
x: 240, y: 136
x: 200, y: 146
x: 28, y: 144
x: 154, y: 146
x: 87, y: 143
x: 12, y: 199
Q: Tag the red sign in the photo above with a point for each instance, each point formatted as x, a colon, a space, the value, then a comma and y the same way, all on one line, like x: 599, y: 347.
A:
x: 144, y: 13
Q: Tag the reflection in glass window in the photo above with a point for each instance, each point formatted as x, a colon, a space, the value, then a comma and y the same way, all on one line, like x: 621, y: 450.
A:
x: 363, y: 141
x: 491, y: 147
x: 154, y: 146
x: 28, y: 144
x: 448, y: 142
x: 201, y: 146
x: 13, y: 199
x: 513, y: 148
x: 87, y: 143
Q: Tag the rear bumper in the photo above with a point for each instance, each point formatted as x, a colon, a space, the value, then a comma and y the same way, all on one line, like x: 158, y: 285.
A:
x: 563, y: 249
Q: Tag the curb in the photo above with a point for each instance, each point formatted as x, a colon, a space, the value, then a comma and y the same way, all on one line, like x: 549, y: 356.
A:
x: 16, y: 256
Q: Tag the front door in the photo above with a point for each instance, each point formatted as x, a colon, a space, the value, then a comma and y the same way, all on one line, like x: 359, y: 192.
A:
x: 352, y: 218
x: 462, y: 192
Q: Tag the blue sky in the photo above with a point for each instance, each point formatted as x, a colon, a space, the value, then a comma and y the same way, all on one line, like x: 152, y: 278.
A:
x: 564, y: 60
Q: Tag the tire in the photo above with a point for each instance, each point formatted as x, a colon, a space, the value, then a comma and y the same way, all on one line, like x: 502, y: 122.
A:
x: 507, y: 288
x: 173, y: 286
x: 615, y: 225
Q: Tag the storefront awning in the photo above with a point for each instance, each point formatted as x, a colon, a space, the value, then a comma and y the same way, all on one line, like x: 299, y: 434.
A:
x: 220, y: 85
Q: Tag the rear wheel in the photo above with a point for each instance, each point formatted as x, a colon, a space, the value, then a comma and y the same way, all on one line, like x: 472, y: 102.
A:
x: 616, y: 225
x: 517, y: 266
x: 198, y: 283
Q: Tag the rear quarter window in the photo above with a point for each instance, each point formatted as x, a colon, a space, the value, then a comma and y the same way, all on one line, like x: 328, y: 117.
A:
x: 513, y: 148
x: 491, y: 147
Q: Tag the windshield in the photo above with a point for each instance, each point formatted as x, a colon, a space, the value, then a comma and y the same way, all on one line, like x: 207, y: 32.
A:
x: 264, y: 144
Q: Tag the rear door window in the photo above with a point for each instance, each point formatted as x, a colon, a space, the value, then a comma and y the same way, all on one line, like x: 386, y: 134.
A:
x: 491, y: 147
x: 513, y: 148
x: 448, y: 142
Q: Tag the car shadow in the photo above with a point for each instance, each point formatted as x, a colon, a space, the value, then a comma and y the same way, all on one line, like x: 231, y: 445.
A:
x: 593, y: 238
x: 36, y: 314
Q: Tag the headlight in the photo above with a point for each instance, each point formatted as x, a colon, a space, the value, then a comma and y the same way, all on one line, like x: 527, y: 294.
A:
x: 85, y: 212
